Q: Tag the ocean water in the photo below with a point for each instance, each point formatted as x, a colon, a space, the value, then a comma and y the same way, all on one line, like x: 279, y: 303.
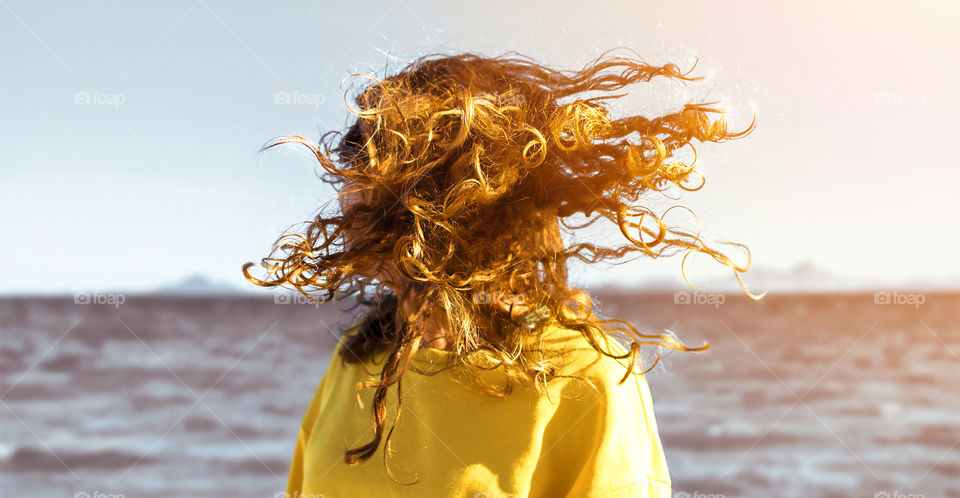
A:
x: 798, y: 395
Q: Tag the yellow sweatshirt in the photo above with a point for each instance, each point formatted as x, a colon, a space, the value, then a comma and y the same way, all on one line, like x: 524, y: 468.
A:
x: 460, y: 442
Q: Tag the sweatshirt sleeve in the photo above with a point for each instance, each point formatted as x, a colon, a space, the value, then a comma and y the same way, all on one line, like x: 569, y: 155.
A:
x: 297, y: 464
x: 603, y: 442
x: 295, y: 478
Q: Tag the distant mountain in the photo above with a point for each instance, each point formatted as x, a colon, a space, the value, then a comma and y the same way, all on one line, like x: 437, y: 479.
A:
x: 197, y: 284
x: 806, y: 277
x: 803, y: 277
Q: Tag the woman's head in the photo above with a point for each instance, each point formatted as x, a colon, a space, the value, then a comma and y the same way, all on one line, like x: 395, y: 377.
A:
x: 455, y: 179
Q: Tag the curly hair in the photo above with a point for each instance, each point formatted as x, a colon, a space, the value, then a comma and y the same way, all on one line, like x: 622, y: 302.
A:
x: 467, y: 167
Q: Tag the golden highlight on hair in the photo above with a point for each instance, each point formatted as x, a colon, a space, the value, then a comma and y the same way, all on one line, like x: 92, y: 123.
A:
x: 469, y: 168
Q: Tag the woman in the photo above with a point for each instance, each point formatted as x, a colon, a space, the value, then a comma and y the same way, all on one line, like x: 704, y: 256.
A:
x: 477, y: 369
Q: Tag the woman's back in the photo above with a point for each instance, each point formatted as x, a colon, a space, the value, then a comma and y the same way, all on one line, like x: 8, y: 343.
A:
x: 571, y: 441
x: 457, y: 181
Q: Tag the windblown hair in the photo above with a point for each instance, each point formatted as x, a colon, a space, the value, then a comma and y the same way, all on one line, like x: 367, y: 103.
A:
x: 468, y: 166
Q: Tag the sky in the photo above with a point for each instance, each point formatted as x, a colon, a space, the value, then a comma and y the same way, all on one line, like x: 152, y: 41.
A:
x: 130, y: 131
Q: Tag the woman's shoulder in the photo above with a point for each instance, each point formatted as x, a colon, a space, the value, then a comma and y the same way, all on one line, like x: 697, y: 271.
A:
x: 332, y: 377
x: 569, y: 350
x: 612, y: 414
x: 579, y: 356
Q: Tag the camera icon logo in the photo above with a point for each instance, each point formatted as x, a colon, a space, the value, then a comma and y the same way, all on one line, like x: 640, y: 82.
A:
x: 482, y: 297
x: 82, y: 98
x: 282, y: 97
x: 882, y: 297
